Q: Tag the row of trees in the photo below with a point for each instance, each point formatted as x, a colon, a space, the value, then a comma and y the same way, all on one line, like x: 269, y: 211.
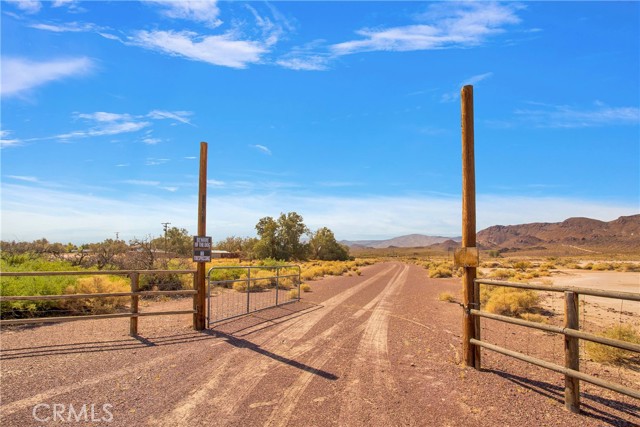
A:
x: 287, y: 238
x: 284, y: 238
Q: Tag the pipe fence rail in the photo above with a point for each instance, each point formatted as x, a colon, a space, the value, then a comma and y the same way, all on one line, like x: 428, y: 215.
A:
x: 135, y: 294
x: 235, y: 291
x: 571, y: 332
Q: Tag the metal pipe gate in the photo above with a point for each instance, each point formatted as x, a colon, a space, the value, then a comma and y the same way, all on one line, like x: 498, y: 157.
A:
x: 234, y: 291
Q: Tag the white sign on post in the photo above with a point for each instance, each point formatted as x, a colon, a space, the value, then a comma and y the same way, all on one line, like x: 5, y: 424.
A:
x: 202, y: 248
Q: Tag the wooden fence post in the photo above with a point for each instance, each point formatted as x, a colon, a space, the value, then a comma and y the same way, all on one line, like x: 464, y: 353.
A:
x: 571, y: 353
x: 133, y: 321
x: 470, y: 291
x: 200, y: 300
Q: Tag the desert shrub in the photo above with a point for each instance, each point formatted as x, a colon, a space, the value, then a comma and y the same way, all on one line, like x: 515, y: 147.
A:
x: 509, y: 301
x: 548, y: 266
x: 440, y: 271
x: 607, y: 354
x: 501, y: 274
x: 446, y: 296
x: 521, y: 265
x: 602, y: 266
x: 629, y: 267
x: 293, y: 294
x: 305, y: 288
x: 98, y: 285
x: 534, y: 317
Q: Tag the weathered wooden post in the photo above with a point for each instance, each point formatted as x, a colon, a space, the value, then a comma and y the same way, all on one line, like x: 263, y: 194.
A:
x: 133, y: 321
x: 571, y: 353
x: 470, y: 291
x: 200, y: 299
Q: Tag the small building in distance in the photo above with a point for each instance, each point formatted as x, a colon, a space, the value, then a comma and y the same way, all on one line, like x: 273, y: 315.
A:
x: 223, y: 254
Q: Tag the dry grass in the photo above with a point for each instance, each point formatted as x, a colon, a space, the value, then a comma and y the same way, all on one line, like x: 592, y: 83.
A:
x: 508, y: 301
x: 446, y: 296
x: 611, y: 355
x: 97, y: 285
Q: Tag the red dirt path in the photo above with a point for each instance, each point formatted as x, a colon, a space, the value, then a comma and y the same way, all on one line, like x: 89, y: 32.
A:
x: 374, y: 350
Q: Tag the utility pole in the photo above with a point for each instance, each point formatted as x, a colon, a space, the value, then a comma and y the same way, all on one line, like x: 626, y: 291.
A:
x: 117, y: 236
x: 166, y: 227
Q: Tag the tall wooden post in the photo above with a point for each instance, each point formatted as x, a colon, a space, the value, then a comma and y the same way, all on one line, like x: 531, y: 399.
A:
x: 199, y: 302
x: 571, y: 353
x: 470, y: 292
x: 133, y: 321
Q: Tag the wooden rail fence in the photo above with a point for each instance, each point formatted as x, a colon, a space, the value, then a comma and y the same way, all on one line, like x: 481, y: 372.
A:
x: 572, y: 335
x: 135, y: 294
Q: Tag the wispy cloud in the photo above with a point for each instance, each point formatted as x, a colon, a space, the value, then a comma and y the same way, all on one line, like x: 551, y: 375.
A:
x: 69, y: 27
x: 454, y: 95
x: 105, y: 123
x: 110, y: 128
x: 179, y: 116
x: 261, y: 148
x: 225, y: 50
x: 27, y: 6
x: 7, y: 141
x: 203, y: 11
x: 23, y: 178
x: 20, y: 75
x: 566, y: 116
x: 444, y: 25
x: 76, y: 216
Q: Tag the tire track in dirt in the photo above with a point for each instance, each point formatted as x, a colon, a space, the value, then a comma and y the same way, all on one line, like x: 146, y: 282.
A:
x: 371, y: 363
x: 242, y: 377
x: 284, y: 409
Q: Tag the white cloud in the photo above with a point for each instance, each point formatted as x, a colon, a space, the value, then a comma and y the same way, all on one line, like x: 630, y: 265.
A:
x: 445, y: 25
x: 20, y: 75
x: 473, y: 80
x: 80, y: 218
x: 70, y: 27
x: 109, y: 129
x: 262, y: 148
x: 204, y: 11
x: 23, y: 178
x: 101, y: 116
x: 151, y: 141
x: 180, y: 116
x: 6, y: 141
x: 565, y: 116
x: 224, y: 50
x: 305, y: 62
x: 27, y: 6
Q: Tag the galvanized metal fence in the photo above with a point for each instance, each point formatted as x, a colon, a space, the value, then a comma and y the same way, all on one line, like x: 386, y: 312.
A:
x: 235, y: 291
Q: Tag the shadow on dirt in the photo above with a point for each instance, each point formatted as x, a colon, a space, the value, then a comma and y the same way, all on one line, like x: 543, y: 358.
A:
x: 556, y: 393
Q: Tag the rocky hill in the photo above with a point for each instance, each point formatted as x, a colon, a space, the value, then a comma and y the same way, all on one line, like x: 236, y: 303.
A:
x: 622, y: 233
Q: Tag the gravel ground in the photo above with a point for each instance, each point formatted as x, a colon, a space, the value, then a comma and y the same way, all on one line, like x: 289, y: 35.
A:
x: 376, y: 350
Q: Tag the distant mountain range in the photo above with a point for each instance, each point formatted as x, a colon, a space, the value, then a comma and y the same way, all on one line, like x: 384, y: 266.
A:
x: 408, y: 241
x: 622, y: 233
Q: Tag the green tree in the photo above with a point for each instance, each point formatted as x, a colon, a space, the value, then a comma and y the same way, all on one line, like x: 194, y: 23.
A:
x: 268, y: 245
x: 324, y: 246
x: 178, y: 241
x: 290, y: 230
x: 104, y: 253
x: 281, y: 238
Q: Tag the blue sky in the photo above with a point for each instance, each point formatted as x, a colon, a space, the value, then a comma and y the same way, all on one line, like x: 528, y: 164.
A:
x: 345, y: 112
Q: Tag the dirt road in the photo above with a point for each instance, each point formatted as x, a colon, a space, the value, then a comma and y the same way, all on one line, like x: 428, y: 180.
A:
x: 373, y: 350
